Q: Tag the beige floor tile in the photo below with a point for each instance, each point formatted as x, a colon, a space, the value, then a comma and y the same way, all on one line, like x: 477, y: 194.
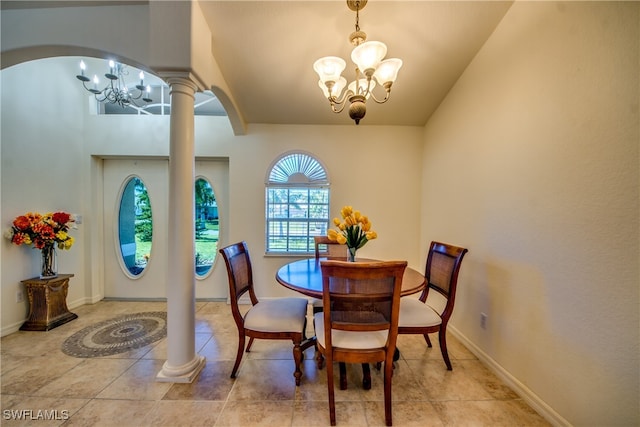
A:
x: 35, y: 373
x: 310, y: 414
x: 256, y: 413
x: 138, y: 382
x: 496, y: 388
x: 121, y: 390
x: 184, y: 414
x: 441, y: 384
x: 264, y: 380
x: 494, y: 413
x: 404, y: 414
x: 86, y: 379
x: 112, y: 413
x: 213, y: 383
x: 18, y: 411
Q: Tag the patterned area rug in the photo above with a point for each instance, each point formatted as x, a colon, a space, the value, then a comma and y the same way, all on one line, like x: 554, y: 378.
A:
x: 118, y: 335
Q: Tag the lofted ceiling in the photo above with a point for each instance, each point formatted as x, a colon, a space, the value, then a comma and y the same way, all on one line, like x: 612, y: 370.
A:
x: 266, y: 51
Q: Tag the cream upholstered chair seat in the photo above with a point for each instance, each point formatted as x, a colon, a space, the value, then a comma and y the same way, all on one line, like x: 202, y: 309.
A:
x: 277, y: 315
x: 349, y: 339
x: 415, y: 313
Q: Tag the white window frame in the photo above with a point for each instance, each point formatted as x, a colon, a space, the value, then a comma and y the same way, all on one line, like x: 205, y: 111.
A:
x: 296, y: 173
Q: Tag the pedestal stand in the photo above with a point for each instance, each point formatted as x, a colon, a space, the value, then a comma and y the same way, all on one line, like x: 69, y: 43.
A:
x: 47, y: 303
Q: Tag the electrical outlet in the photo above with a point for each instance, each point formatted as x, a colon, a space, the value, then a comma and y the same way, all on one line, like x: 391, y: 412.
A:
x: 19, y: 295
x: 483, y: 320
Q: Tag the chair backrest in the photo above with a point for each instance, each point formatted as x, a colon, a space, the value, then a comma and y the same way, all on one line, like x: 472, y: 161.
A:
x: 362, y: 296
x: 441, y: 272
x: 328, y: 248
x: 238, y: 262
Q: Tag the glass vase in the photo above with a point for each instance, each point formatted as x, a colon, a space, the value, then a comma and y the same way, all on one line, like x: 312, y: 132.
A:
x: 351, y: 254
x: 49, y: 266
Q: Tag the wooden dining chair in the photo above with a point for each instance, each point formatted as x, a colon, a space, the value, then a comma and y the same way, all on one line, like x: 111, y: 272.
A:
x: 325, y: 248
x: 359, y: 323
x: 441, y: 274
x: 275, y: 319
x: 328, y: 248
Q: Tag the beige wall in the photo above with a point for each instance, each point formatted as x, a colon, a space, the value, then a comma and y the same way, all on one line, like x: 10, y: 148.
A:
x: 532, y: 158
x: 532, y: 161
x: 47, y: 166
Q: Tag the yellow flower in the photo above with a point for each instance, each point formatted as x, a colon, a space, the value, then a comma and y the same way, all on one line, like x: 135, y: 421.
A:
x: 66, y: 244
x: 354, y: 231
x: 61, y: 236
x: 346, y: 211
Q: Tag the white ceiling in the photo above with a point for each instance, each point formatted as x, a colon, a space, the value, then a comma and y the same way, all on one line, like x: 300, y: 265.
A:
x: 266, y: 51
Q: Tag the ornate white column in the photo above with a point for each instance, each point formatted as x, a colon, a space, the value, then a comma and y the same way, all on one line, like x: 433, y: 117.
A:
x: 183, y: 364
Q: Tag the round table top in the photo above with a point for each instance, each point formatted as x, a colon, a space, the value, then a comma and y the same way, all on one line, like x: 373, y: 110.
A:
x: 305, y: 276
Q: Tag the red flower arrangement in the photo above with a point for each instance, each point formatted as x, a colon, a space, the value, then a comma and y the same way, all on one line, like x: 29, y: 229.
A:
x: 39, y: 230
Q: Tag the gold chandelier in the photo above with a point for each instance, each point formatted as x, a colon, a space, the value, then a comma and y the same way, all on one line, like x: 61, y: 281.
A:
x: 368, y: 57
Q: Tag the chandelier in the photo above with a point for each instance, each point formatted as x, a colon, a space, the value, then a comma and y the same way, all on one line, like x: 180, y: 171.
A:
x: 116, y: 91
x: 368, y: 57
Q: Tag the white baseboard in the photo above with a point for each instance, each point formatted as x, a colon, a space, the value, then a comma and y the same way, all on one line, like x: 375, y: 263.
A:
x: 533, y: 400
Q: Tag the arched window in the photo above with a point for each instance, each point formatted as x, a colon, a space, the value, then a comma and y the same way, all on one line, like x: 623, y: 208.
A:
x: 297, y: 203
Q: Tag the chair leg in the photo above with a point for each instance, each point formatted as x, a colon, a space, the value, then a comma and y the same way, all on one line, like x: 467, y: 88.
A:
x: 332, y: 403
x: 366, y: 376
x: 238, y: 354
x: 343, y: 375
x: 319, y: 360
x: 388, y: 373
x: 250, y: 344
x: 442, y: 335
x: 297, y: 357
x: 426, y: 338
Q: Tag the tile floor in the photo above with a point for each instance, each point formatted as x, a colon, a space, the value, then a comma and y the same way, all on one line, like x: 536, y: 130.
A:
x: 121, y: 390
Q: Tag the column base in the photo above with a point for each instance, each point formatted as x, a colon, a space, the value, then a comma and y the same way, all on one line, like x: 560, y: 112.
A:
x: 184, y: 374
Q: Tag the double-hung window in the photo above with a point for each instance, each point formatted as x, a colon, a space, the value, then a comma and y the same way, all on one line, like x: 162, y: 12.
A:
x: 297, y: 203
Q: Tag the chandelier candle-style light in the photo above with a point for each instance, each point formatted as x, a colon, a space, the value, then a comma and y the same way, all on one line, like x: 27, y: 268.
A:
x: 368, y: 57
x: 116, y: 91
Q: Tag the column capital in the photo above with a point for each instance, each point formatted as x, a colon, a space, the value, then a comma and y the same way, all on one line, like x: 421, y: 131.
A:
x: 185, y: 77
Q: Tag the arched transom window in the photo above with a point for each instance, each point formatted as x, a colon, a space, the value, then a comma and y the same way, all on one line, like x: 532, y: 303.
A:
x: 297, y: 203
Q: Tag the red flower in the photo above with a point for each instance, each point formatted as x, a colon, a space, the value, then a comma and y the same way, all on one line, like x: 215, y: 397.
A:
x: 39, y: 243
x: 21, y: 223
x: 18, y: 238
x: 61, y: 217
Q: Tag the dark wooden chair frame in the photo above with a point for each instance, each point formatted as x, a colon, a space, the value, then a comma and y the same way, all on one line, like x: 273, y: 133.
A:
x: 236, y: 291
x: 436, y: 273
x: 362, y: 272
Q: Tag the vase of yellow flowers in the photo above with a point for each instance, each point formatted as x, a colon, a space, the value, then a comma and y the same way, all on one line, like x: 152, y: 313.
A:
x: 354, y: 231
x: 44, y: 232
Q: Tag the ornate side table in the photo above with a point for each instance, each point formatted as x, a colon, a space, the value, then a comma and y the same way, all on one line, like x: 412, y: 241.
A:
x: 47, y: 303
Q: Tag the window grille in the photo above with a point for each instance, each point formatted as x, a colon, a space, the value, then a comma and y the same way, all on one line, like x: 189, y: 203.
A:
x: 297, y: 204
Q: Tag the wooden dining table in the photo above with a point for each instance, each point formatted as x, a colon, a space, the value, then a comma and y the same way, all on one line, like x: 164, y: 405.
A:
x: 305, y: 276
